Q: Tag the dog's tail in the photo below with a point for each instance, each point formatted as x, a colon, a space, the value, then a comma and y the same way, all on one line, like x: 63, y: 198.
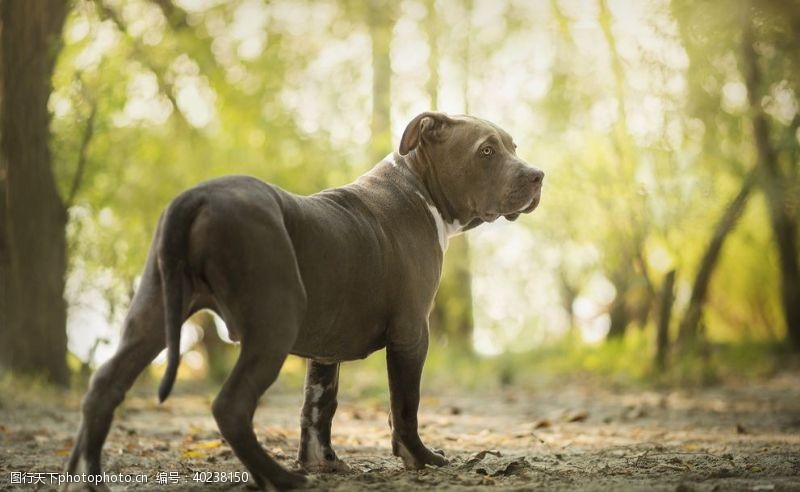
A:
x: 173, y: 264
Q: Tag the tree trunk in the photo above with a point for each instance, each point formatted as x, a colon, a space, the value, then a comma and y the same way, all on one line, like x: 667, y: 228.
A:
x: 621, y: 311
x: 688, y: 332
x: 451, y: 319
x: 568, y: 293
x: 381, y: 24
x: 664, y: 316
x: 32, y: 225
x: 618, y: 315
x: 432, y: 33
x: 784, y: 226
x: 468, y: 6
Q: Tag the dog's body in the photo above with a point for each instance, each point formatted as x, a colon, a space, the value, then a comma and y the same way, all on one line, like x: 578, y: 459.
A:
x: 331, y: 277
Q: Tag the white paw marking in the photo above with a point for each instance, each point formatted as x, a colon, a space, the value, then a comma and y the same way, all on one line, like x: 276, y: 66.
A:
x: 406, y: 456
x: 316, y: 392
x: 315, y: 452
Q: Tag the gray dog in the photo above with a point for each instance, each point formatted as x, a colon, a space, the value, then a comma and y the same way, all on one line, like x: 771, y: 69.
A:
x: 331, y: 277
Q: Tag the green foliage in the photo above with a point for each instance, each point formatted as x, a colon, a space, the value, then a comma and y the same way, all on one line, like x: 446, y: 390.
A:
x: 638, y: 117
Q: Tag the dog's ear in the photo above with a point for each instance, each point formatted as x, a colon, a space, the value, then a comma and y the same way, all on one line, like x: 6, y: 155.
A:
x: 426, y: 124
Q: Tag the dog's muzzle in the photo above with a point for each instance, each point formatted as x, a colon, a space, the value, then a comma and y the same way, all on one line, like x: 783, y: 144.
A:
x: 533, y: 179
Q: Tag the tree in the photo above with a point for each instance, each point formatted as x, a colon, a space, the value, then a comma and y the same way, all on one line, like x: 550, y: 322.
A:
x: 381, y: 20
x: 451, y: 318
x: 688, y: 331
x: 664, y: 316
x: 622, y: 272
x: 713, y: 37
x: 784, y: 224
x: 32, y: 215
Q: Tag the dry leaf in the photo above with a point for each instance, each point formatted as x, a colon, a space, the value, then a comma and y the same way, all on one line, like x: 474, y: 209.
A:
x: 492, y: 464
x: 542, y: 424
x: 482, y: 454
x: 209, y: 444
x: 65, y: 450
x: 578, y: 416
x: 193, y: 453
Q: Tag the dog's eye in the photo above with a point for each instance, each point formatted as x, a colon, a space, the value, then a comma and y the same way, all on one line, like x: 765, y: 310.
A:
x: 487, y: 151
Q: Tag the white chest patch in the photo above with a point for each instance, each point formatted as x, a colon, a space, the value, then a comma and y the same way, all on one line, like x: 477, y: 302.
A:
x: 444, y: 230
x: 390, y: 159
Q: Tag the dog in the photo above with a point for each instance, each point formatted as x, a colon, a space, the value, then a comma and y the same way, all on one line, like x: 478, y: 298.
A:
x: 331, y: 277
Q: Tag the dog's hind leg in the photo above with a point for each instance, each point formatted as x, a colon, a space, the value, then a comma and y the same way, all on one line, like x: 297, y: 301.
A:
x: 258, y: 286
x: 235, y: 406
x: 142, y: 339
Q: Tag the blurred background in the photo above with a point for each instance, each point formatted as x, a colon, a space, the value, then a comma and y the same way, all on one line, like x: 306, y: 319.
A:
x: 665, y: 248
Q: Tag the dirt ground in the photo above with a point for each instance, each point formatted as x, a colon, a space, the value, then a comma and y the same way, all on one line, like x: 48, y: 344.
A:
x: 574, y: 436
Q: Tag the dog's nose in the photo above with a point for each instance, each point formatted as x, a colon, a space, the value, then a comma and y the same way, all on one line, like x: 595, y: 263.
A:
x: 538, y: 176
x: 533, y: 175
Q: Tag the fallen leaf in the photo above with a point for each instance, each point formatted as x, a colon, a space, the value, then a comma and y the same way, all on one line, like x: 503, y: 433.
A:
x: 482, y: 454
x: 542, y: 424
x: 577, y: 416
x: 495, y: 466
x: 635, y: 412
x: 63, y: 452
x: 193, y: 453
x: 740, y: 429
x: 209, y: 444
x: 492, y: 463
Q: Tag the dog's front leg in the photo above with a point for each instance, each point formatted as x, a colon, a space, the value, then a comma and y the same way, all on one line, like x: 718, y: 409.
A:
x: 405, y: 356
x: 315, y: 452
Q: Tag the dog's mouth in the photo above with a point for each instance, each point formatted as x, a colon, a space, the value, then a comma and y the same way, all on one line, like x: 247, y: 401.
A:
x: 529, y: 207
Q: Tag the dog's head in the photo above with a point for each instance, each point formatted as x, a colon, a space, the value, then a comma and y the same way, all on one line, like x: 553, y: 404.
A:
x: 470, y: 168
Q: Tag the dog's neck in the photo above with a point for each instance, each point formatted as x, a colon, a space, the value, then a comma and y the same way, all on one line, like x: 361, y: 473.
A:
x: 446, y: 223
x: 422, y: 169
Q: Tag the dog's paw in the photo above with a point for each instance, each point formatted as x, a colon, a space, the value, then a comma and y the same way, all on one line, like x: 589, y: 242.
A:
x: 325, y: 466
x: 286, y: 480
x: 321, y: 459
x: 419, y: 459
x: 291, y: 480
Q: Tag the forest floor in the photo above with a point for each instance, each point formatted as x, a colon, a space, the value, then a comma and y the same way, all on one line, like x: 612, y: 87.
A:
x: 569, y: 436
